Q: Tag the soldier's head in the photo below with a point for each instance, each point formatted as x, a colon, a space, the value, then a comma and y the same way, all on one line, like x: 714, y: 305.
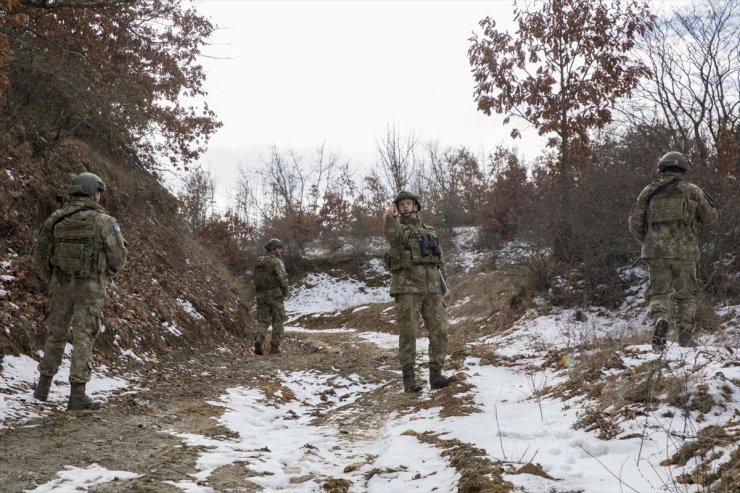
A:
x: 275, y: 246
x: 674, y: 161
x: 407, y: 202
x: 87, y: 185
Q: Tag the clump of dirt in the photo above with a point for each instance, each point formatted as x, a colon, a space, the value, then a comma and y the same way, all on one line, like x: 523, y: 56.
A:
x: 478, y: 473
x: 707, y: 439
x: 337, y: 485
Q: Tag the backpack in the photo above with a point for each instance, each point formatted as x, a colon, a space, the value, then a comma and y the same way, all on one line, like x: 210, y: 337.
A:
x: 669, y: 203
x: 264, y: 278
x: 73, y: 247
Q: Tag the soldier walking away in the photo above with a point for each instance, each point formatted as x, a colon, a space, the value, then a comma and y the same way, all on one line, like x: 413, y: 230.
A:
x: 417, y: 283
x: 78, y: 248
x: 271, y: 286
x: 665, y: 220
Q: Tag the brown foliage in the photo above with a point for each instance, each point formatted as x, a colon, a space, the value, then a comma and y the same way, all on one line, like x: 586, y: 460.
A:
x: 116, y: 71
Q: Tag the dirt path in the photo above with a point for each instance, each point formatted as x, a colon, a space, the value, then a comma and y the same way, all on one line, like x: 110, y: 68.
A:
x: 136, y: 430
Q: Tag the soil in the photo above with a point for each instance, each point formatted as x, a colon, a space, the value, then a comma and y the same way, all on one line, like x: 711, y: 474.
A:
x: 134, y: 430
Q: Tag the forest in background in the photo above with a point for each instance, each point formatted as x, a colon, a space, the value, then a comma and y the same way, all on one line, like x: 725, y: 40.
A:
x: 610, y: 84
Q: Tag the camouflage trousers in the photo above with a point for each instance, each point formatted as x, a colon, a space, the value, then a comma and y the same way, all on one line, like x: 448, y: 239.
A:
x: 80, y: 321
x: 410, y: 310
x: 270, y: 311
x: 673, y: 284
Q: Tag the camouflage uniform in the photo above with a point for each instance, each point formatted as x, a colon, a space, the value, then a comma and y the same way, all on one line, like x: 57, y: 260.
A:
x: 271, y: 286
x: 77, y: 249
x: 665, y: 220
x: 416, y: 285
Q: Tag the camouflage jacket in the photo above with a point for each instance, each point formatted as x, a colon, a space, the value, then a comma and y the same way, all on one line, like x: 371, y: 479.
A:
x: 665, y: 218
x: 102, y: 248
x: 270, y: 276
x: 415, y: 268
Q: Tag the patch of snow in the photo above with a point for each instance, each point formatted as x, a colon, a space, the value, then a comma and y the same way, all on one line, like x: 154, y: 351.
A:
x: 318, y: 331
x: 188, y: 307
x: 79, y: 479
x: 322, y: 293
x: 172, y: 328
x: 10, y: 175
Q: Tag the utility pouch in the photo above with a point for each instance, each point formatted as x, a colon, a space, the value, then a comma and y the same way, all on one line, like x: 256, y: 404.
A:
x: 397, y: 258
x: 668, y: 207
x: 74, y: 259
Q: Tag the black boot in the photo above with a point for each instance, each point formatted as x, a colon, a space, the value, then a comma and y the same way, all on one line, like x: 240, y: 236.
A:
x: 409, y: 380
x: 685, y: 339
x: 437, y: 380
x: 42, y: 388
x: 274, y: 349
x: 258, y: 347
x: 659, y: 334
x: 79, y: 400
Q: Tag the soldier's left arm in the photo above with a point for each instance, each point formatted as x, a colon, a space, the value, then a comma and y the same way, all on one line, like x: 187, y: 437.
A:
x: 638, y: 213
x: 41, y: 250
x: 113, y: 243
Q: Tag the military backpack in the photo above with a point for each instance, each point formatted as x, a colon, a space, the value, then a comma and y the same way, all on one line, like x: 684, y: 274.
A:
x: 73, y: 250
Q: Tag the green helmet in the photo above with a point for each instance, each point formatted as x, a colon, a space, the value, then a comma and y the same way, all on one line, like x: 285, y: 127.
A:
x: 675, y: 160
x: 405, y: 194
x: 86, y: 184
x: 273, y: 244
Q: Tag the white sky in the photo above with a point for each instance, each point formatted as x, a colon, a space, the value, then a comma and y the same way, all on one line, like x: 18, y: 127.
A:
x: 296, y: 73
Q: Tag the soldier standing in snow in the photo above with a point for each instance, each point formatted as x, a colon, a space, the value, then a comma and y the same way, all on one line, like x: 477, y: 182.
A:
x: 417, y: 284
x: 271, y: 287
x: 77, y: 249
x: 665, y: 220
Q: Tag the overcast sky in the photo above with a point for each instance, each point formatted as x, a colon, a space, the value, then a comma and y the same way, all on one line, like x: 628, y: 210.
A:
x: 298, y: 73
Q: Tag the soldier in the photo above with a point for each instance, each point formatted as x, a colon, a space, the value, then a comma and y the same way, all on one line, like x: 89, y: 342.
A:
x: 78, y: 248
x: 271, y: 286
x: 417, y: 283
x: 665, y: 220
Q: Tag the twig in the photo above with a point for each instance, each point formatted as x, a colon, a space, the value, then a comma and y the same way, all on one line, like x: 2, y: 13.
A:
x: 608, y: 470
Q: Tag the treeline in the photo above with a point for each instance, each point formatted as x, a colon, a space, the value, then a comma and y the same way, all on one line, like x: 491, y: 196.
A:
x: 613, y: 86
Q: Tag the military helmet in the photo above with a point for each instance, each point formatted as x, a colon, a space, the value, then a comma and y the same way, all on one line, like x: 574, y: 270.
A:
x: 674, y: 159
x: 405, y: 194
x: 86, y: 184
x: 273, y: 244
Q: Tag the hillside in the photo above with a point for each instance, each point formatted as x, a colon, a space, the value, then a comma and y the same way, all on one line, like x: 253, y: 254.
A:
x: 172, y: 295
x: 548, y: 399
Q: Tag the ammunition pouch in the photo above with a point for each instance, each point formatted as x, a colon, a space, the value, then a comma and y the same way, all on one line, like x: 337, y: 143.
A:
x: 76, y: 259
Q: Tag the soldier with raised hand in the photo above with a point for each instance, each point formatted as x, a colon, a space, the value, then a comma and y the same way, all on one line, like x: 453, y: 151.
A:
x: 665, y: 220
x: 271, y: 287
x: 416, y: 263
x: 78, y: 248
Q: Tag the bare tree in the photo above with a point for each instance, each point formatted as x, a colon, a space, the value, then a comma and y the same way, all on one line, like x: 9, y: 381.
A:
x: 396, y: 158
x: 695, y: 57
x: 197, y: 197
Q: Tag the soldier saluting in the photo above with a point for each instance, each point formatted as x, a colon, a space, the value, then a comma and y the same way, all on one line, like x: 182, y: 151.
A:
x: 417, y: 283
x: 665, y: 220
x: 78, y: 248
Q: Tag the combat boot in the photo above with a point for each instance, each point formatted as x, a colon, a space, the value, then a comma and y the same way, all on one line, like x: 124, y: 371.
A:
x: 437, y: 380
x: 409, y: 380
x: 685, y: 339
x: 661, y: 329
x: 42, y: 388
x: 78, y: 400
x: 258, y: 347
x: 275, y: 350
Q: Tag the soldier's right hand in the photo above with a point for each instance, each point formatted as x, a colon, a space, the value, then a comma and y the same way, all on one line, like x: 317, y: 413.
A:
x: 393, y: 211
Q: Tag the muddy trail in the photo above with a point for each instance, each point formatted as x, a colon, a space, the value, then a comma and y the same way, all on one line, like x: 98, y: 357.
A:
x: 144, y: 429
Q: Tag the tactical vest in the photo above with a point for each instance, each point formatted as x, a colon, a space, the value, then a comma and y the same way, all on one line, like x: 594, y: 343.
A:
x: 74, y: 250
x: 669, y: 203
x: 264, y: 278
x: 419, y: 246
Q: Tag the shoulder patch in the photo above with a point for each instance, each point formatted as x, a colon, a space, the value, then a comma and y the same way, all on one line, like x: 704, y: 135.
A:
x: 117, y: 227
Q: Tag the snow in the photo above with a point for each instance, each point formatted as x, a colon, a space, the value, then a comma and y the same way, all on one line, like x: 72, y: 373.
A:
x: 322, y: 293
x: 78, y: 479
x: 9, y: 173
x: 188, y: 307
x: 18, y: 375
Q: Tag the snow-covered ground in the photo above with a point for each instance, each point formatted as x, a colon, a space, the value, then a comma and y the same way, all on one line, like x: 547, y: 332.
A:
x: 517, y: 423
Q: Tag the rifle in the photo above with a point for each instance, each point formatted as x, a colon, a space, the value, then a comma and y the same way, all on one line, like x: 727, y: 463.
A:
x: 444, y: 286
